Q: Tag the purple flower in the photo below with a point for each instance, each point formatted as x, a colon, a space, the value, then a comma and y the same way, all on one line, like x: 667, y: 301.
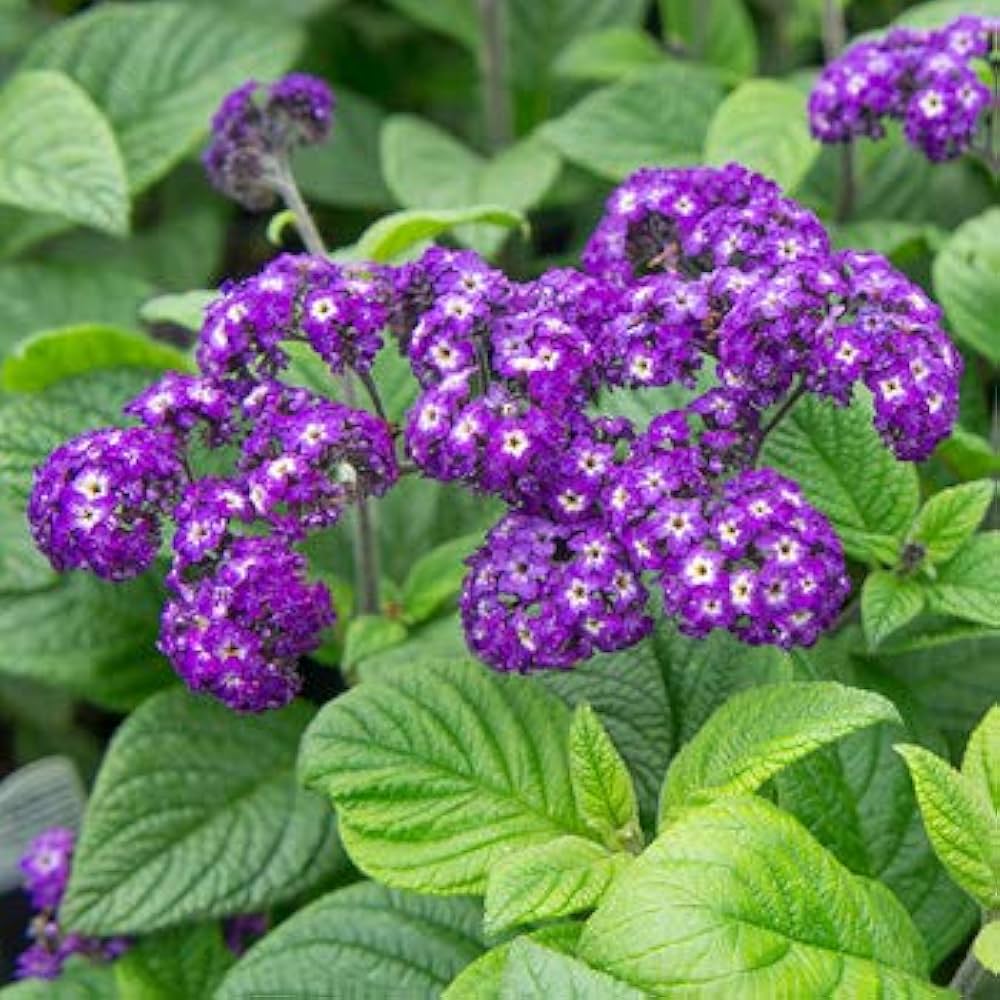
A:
x: 45, y: 866
x: 241, y: 931
x: 179, y: 403
x: 97, y: 501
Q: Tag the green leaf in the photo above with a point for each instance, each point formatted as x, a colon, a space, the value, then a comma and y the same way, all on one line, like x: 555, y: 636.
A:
x: 846, y: 471
x: 195, y: 814
x: 50, y: 356
x: 566, y: 875
x: 968, y: 585
x: 888, y: 602
x: 534, y: 972
x: 80, y: 979
x: 185, y: 963
x: 370, y: 634
x: 950, y: 517
x: 968, y: 455
x: 365, y: 942
x: 183, y: 309
x: 889, y: 237
x: 658, y: 116
x: 963, y: 829
x: 967, y: 282
x: 483, y: 978
x: 937, y: 13
x: 438, y: 772
x: 986, y: 947
x: 721, y: 34
x: 435, y: 578
x: 605, y: 797
x: 393, y: 234
x: 200, y: 55
x: 981, y: 763
x: 458, y: 19
x: 607, y: 55
x: 758, y: 732
x: 737, y: 897
x: 58, y: 154
x: 23, y: 568
x: 763, y: 125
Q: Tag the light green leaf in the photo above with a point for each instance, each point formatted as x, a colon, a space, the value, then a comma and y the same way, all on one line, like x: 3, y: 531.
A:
x: 183, y: 309
x: 889, y: 237
x: 968, y: 585
x: 967, y: 282
x: 659, y: 116
x: 758, y: 732
x: 763, y: 124
x: 185, y: 963
x: 963, y: 829
x: 365, y: 942
x: 51, y: 356
x: 846, y: 471
x: 534, y: 972
x: 23, y: 568
x: 986, y: 947
x: 393, y: 234
x: 564, y: 876
x: 435, y: 578
x: 608, y: 55
x: 605, y: 797
x: 160, y: 107
x: 721, y: 33
x: 81, y: 979
x: 981, y: 762
x: 737, y: 897
x: 437, y: 772
x: 370, y: 634
x: 483, y: 979
x: 888, y: 602
x: 948, y: 518
x: 58, y: 154
x: 195, y: 814
x: 968, y: 455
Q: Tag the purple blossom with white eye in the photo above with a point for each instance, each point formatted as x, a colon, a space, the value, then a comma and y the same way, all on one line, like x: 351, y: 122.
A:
x: 924, y: 79
x: 203, y: 519
x: 180, y: 403
x: 98, y: 500
x: 256, y: 128
x: 540, y: 595
x: 45, y: 866
x: 238, y: 632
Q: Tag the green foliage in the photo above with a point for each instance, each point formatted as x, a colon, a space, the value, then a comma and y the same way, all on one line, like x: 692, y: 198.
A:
x: 189, y: 787
x: 366, y: 942
x: 968, y: 585
x: 80, y: 980
x: 981, y: 763
x: 436, y: 578
x: 986, y: 947
x: 370, y: 634
x: 888, y: 602
x: 949, y: 518
x: 722, y: 33
x: 608, y: 55
x: 534, y: 971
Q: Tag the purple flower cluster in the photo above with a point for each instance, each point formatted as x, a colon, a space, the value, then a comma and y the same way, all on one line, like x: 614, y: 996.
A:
x: 46, y: 867
x: 253, y: 133
x: 925, y: 79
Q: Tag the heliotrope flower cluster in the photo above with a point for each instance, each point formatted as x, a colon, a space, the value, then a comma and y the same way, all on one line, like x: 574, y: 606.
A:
x: 45, y: 867
x: 925, y: 79
x: 256, y: 128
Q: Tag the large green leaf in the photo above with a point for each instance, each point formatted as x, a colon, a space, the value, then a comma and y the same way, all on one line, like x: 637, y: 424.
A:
x: 968, y: 585
x: 763, y: 125
x: 438, y: 771
x: 721, y: 33
x: 159, y: 70
x: 365, y: 942
x: 657, y: 117
x: 967, y: 281
x: 950, y: 517
x: 981, y: 761
x: 58, y: 153
x: 534, y: 972
x: 196, y: 814
x: 962, y: 826
x: 608, y: 55
x: 757, y: 733
x: 435, y: 579
x: 737, y: 900
x: 888, y: 602
x: 844, y: 469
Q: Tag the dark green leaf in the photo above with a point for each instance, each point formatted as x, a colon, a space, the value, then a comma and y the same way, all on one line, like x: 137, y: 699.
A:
x: 721, y: 33
x: 435, y: 579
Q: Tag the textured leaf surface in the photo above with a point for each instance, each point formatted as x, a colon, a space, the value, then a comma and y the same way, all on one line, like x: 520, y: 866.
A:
x: 950, y: 517
x: 888, y: 602
x: 981, y: 763
x: 186, y: 963
x: 439, y: 771
x: 968, y: 585
x: 365, y: 942
x: 763, y: 124
x: 58, y: 154
x: 161, y: 106
x: 967, y: 282
x: 843, y: 468
x: 961, y: 825
x: 564, y: 876
x: 659, y: 116
x: 196, y: 814
x: 758, y: 732
x: 737, y: 900
x: 534, y: 971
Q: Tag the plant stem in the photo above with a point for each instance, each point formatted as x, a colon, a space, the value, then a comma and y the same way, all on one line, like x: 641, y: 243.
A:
x: 968, y: 976
x: 373, y: 394
x: 790, y: 400
x: 834, y: 37
x: 496, y: 102
x: 366, y: 560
